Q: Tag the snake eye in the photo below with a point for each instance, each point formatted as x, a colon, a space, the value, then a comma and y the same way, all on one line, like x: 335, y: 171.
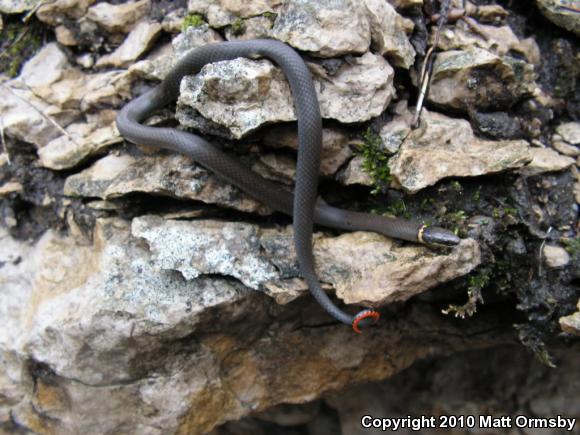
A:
x: 364, y: 319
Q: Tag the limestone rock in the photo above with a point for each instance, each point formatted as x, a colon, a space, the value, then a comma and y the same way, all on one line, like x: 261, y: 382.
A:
x: 118, y: 17
x: 372, y: 270
x: 571, y: 323
x: 136, y: 43
x: 563, y: 13
x: 388, y: 33
x: 354, y: 173
x: 206, y: 247
x: 58, y: 11
x: 83, y: 140
x: 499, y: 40
x: 476, y: 78
x: 256, y: 93
x: 570, y: 132
x: 253, y: 28
x: 335, y: 145
x: 326, y: 28
x: 221, y: 13
x: 546, y: 160
x: 45, y: 68
x: 22, y: 115
x: 446, y: 147
x: 171, y: 175
x: 101, y: 332
x: 17, y: 6
x: 555, y: 256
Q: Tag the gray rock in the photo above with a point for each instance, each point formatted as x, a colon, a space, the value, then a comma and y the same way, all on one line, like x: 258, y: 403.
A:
x: 326, y: 28
x: 555, y: 256
x: 118, y: 17
x: 354, y: 173
x: 221, y: 13
x: 546, y: 160
x: 17, y: 6
x: 171, y: 175
x: 335, y: 145
x: 239, y: 96
x: 446, y: 147
x: 388, y: 33
x: 563, y: 13
x: 137, y: 42
x: 570, y: 132
x: 206, y: 247
x: 476, y: 78
x: 571, y: 323
x: 58, y: 11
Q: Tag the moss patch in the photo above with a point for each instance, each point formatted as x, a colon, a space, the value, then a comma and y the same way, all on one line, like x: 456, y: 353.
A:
x: 18, y: 43
x: 192, y: 20
x: 375, y: 161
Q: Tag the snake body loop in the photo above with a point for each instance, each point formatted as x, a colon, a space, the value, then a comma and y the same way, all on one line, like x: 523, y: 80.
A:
x: 302, y: 205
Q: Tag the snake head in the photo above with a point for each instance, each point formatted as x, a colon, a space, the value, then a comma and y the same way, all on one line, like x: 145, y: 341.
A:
x: 438, y: 236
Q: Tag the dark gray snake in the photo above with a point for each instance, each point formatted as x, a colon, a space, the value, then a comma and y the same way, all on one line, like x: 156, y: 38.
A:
x: 303, y: 205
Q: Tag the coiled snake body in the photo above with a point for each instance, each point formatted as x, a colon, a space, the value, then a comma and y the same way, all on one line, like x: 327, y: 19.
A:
x: 303, y: 204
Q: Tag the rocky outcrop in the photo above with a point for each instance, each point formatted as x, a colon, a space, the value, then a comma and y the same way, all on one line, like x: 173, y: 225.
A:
x: 256, y: 93
x: 447, y: 147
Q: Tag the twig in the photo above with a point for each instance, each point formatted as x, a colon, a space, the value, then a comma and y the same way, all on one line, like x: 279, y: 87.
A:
x: 44, y: 115
x: 427, y: 67
x: 3, y: 140
x: 36, y: 8
x: 542, y: 251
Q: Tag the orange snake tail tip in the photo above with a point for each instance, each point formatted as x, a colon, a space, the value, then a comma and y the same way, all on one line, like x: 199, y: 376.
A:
x: 364, y: 315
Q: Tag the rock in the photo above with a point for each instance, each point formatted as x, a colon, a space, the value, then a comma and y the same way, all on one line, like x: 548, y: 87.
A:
x: 22, y: 115
x: 59, y: 11
x: 360, y: 90
x: 571, y: 324
x: 45, y: 68
x: 355, y: 93
x: 577, y: 192
x: 17, y: 6
x: 335, y: 145
x: 354, y: 173
x: 499, y: 40
x: 291, y: 415
x: 546, y: 160
x: 476, y: 78
x: 100, y: 332
x: 206, y: 247
x: 446, y: 147
x: 84, y: 140
x: 171, y: 175
x: 66, y: 36
x: 565, y: 148
x: 10, y: 187
x: 276, y: 167
x: 555, y: 256
x: 118, y: 17
x: 221, y: 13
x: 253, y: 28
x: 563, y: 13
x: 326, y: 28
x: 136, y: 43
x: 388, y: 33
x: 371, y: 270
x: 570, y: 132
x: 406, y: 4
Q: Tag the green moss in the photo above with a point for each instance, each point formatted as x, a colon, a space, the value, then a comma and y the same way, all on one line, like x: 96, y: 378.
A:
x: 475, y: 284
x: 270, y: 15
x: 18, y: 43
x: 572, y: 246
x: 238, y: 27
x: 375, y: 161
x: 192, y: 20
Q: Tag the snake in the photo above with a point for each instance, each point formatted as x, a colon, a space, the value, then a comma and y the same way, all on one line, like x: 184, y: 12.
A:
x: 303, y: 205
